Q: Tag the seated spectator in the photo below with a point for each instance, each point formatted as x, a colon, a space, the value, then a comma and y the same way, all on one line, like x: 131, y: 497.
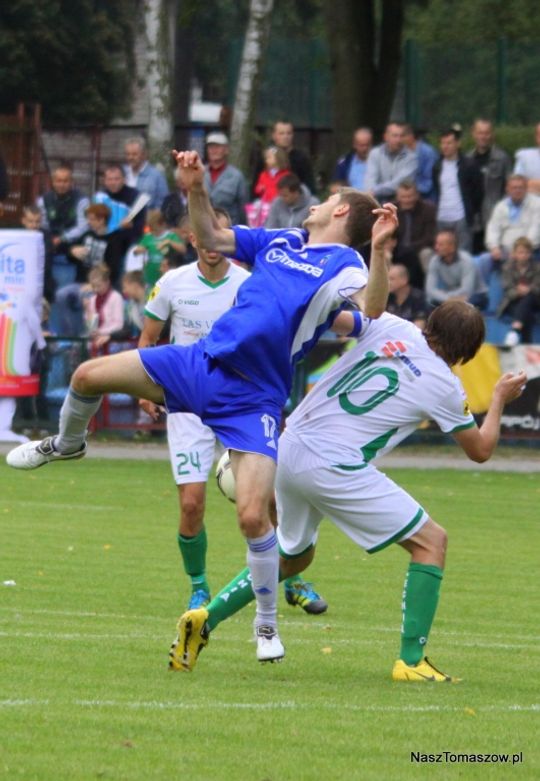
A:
x: 119, y: 197
x: 515, y: 216
x: 142, y: 175
x: 292, y: 205
x: 528, y: 164
x: 157, y: 244
x: 184, y: 231
x: 453, y: 274
x: 426, y: 157
x: 351, y: 169
x: 88, y: 252
x: 31, y: 221
x: 104, y: 307
x: 62, y: 216
x: 521, y: 286
x: 404, y: 300
x: 134, y: 292
x: 416, y: 231
x: 174, y: 205
x: 389, y: 164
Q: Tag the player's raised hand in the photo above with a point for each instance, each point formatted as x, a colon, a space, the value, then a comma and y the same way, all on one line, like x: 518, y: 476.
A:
x: 385, y: 224
x: 510, y: 386
x: 190, y: 168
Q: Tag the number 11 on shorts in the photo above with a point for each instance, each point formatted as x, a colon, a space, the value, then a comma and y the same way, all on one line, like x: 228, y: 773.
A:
x: 269, y: 424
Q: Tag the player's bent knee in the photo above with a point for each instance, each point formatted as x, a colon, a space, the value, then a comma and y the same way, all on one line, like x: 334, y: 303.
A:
x: 252, y: 523
x: 82, y: 380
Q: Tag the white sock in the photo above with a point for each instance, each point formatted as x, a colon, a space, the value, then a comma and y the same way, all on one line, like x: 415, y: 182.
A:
x: 75, y: 416
x: 263, y: 562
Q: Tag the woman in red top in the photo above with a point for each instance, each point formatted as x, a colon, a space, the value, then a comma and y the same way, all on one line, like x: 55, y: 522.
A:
x: 276, y: 163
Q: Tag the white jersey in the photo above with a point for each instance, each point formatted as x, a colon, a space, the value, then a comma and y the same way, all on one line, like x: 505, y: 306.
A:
x: 193, y: 302
x: 377, y: 394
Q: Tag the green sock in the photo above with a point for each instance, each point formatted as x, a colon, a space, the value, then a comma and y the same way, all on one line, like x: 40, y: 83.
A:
x: 236, y: 595
x: 193, y: 550
x: 293, y: 579
x: 420, y: 598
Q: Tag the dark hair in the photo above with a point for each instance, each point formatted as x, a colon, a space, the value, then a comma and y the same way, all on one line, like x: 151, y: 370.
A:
x: 290, y: 182
x: 455, y: 330
x: 219, y: 212
x: 64, y: 165
x: 407, y: 184
x: 450, y: 131
x: 361, y: 218
x: 114, y: 167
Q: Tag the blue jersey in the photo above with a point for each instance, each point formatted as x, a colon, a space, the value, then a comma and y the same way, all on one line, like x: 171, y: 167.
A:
x: 292, y: 297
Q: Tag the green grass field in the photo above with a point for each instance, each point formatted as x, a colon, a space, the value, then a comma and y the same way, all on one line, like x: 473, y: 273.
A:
x: 84, y: 688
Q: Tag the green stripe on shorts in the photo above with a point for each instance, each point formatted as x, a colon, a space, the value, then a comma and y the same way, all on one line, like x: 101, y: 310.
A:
x: 398, y: 534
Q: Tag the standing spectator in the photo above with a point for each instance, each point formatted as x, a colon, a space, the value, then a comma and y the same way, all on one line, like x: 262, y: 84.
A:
x: 63, y: 217
x: 299, y: 162
x: 453, y: 275
x: 426, y: 157
x: 528, y: 163
x: 104, y: 308
x: 458, y: 187
x: 495, y: 166
x: 515, y: 216
x: 142, y: 175
x: 119, y: 197
x: 416, y: 231
x: 521, y: 285
x: 276, y: 163
x: 226, y: 185
x: 292, y: 205
x: 351, y: 168
x: 404, y: 300
x: 390, y: 163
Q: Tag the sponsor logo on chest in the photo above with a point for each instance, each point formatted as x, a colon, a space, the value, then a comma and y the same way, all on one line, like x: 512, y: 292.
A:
x: 278, y: 255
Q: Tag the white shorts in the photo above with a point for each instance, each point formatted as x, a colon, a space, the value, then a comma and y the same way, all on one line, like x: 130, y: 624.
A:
x: 369, y: 507
x: 192, y: 447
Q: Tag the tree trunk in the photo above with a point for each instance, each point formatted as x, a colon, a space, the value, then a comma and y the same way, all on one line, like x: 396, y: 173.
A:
x: 160, y: 23
x: 365, y: 56
x: 258, y: 29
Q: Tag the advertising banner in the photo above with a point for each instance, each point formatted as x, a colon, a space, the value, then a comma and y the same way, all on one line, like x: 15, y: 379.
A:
x: 22, y: 257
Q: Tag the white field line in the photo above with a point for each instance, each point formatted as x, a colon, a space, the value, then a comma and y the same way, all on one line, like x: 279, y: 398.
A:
x: 329, y: 640
x: 262, y: 706
x: 309, y: 625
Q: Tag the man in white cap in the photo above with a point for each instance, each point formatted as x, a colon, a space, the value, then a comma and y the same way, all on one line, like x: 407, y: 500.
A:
x: 225, y: 184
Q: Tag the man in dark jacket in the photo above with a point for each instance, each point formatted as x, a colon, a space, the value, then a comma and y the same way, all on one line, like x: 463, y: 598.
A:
x: 458, y: 187
x: 416, y: 231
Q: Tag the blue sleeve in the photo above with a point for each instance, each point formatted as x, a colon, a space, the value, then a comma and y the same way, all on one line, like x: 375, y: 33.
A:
x: 250, y: 241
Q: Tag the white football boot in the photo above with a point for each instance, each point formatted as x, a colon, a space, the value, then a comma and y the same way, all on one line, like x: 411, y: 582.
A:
x: 269, y: 646
x: 38, y: 453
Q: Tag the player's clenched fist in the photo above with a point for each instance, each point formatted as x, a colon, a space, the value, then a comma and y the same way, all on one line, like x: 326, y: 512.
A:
x: 190, y: 168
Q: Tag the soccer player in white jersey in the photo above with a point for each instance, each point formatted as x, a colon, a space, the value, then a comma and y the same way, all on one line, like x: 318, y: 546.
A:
x: 193, y: 297
x: 238, y: 378
x: 368, y: 402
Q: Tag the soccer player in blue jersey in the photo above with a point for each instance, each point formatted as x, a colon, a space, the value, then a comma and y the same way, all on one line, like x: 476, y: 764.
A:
x: 238, y: 378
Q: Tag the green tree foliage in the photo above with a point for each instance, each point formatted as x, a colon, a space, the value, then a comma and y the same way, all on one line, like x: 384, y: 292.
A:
x: 73, y: 57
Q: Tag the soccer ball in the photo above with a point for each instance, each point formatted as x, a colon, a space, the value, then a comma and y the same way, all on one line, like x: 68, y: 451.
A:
x: 225, y: 477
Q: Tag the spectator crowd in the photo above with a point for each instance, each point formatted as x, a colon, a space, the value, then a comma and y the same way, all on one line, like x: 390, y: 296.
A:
x: 469, y: 224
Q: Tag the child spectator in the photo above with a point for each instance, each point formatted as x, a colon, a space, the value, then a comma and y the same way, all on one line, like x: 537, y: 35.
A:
x: 31, y: 221
x: 134, y: 293
x: 104, y: 308
x: 276, y: 163
x: 159, y: 242
x: 521, y: 285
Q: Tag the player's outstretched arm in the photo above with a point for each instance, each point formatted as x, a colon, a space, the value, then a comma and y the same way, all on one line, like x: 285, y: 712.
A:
x: 210, y: 235
x: 373, y: 298
x: 479, y: 443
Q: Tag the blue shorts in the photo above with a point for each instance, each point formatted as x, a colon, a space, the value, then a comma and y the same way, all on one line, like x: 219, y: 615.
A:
x: 240, y: 413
